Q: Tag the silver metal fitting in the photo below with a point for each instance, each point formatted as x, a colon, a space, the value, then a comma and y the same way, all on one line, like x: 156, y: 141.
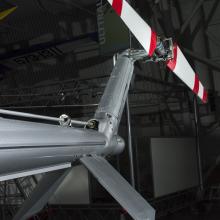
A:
x: 65, y: 120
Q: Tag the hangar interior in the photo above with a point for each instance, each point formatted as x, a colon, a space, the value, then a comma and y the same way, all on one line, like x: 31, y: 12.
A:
x: 56, y: 57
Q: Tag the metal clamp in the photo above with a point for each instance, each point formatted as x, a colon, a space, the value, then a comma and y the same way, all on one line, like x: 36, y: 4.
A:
x: 163, y: 52
x: 92, y: 124
x: 65, y: 120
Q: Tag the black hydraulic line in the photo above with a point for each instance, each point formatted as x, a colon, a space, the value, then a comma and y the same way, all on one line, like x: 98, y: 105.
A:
x: 198, y: 151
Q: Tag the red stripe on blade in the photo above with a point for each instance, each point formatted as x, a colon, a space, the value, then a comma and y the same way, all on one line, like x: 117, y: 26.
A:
x: 172, y: 63
x: 205, y: 96
x: 117, y: 5
x: 196, y: 84
x: 153, y: 43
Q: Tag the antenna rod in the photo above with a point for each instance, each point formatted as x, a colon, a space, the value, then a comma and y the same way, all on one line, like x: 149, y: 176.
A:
x: 41, y: 117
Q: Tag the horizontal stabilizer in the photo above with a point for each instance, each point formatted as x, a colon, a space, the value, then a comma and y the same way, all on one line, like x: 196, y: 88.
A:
x: 41, y: 194
x: 119, y: 188
x: 20, y: 174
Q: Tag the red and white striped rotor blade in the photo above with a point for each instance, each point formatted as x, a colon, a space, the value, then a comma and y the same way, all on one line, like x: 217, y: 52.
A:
x: 140, y: 29
x: 148, y: 39
x: 181, y: 67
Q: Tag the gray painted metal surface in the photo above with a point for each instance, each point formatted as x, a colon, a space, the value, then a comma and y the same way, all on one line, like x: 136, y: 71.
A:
x: 112, y: 103
x: 119, y: 188
x: 34, y: 145
x: 26, y: 145
x: 115, y: 95
x: 27, y: 115
x: 41, y: 194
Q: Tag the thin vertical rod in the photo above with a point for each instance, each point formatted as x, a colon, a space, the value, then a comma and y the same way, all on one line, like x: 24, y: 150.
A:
x: 196, y: 115
x: 130, y: 34
x: 130, y: 147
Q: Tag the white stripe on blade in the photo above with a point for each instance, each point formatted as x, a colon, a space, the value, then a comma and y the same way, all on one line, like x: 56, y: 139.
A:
x: 201, y: 90
x: 183, y: 70
x: 181, y: 67
x: 137, y: 26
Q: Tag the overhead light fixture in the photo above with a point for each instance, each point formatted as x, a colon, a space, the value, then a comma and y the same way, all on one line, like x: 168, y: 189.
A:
x: 6, y: 9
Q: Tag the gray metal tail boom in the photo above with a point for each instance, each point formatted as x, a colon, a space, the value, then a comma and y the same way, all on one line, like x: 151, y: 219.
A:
x: 28, y: 148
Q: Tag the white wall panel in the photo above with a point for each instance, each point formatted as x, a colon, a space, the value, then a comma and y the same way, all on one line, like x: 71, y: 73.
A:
x: 174, y: 165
